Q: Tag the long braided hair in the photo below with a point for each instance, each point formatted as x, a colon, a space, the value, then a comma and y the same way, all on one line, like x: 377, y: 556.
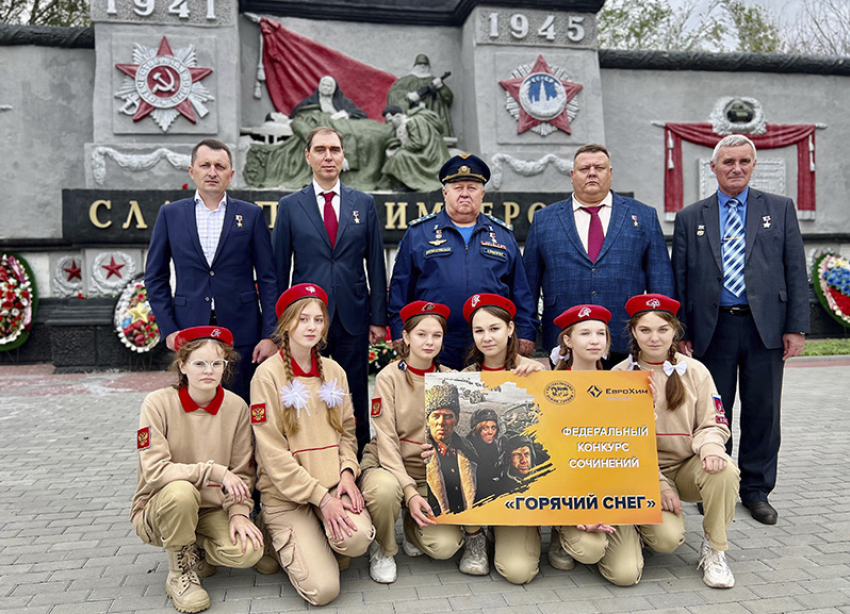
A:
x: 675, y: 388
x: 476, y: 357
x: 287, y: 322
x: 411, y: 323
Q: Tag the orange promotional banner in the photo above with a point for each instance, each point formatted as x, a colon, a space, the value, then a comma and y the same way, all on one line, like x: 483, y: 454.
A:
x: 551, y: 448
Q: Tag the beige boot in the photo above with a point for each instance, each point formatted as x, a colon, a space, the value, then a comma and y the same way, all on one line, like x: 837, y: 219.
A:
x: 200, y: 564
x: 183, y: 585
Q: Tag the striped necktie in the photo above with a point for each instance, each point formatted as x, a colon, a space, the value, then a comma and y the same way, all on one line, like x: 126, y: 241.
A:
x: 734, y: 245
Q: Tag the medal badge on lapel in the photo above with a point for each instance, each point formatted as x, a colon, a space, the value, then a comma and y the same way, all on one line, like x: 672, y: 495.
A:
x: 356, y: 215
x: 438, y: 237
x: 634, y: 219
x: 700, y: 230
x: 239, y: 221
x: 766, y: 221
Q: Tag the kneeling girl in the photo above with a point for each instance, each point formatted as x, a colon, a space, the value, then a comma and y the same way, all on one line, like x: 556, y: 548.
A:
x: 307, y: 452
x: 616, y: 551
x: 393, y: 469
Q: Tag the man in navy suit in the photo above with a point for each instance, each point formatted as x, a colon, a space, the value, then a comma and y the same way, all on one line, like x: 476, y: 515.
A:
x: 218, y: 245
x: 325, y: 234
x: 595, y: 247
x: 740, y: 272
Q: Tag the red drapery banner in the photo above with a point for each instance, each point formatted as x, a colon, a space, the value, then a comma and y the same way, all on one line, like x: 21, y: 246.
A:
x: 294, y: 64
x: 776, y: 136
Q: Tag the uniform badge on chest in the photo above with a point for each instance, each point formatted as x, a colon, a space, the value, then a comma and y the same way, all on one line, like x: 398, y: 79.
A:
x: 239, y: 221
x: 438, y: 237
x: 356, y: 215
x: 766, y: 221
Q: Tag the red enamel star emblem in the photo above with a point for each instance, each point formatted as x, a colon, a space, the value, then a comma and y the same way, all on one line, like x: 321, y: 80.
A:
x: 73, y: 271
x: 112, y: 267
x: 164, y: 82
x: 542, y: 97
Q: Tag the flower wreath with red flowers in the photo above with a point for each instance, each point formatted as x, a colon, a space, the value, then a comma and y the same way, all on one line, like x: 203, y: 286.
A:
x: 831, y: 277
x: 18, y: 301
x: 134, y: 321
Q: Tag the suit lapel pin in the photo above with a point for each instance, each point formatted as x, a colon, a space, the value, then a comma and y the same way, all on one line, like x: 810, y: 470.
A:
x: 766, y: 220
x: 700, y: 230
x: 239, y: 221
x: 356, y: 217
x: 634, y: 219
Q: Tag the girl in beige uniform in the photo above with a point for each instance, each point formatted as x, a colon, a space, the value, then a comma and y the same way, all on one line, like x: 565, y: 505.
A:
x: 691, y: 431
x: 195, y: 474
x: 393, y: 469
x: 517, y: 549
x: 616, y: 551
x: 307, y: 452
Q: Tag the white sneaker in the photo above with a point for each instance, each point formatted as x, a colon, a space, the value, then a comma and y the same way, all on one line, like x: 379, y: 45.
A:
x: 474, y: 562
x: 558, y: 557
x: 716, y: 572
x: 381, y: 567
x: 410, y: 549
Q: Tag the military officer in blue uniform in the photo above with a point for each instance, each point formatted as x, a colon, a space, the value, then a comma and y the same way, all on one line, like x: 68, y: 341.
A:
x: 447, y: 257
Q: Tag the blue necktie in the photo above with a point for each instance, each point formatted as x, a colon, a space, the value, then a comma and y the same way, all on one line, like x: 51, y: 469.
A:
x: 733, y: 250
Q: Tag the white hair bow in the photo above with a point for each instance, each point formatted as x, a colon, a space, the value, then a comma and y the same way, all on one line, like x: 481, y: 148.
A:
x: 679, y: 368
x: 555, y: 355
x: 633, y: 365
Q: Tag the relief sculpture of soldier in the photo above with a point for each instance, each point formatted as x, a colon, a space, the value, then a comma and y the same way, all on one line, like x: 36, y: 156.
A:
x: 421, y: 88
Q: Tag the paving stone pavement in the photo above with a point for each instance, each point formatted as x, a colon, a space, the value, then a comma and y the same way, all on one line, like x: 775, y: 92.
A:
x: 68, y: 471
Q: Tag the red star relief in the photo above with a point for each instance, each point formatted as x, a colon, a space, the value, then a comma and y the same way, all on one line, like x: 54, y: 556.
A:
x: 185, y: 106
x: 73, y: 271
x: 112, y: 268
x: 526, y: 121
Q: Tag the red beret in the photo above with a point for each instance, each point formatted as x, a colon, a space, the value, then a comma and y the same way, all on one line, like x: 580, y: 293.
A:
x: 219, y: 333
x: 476, y: 301
x: 296, y: 293
x: 582, y: 313
x: 651, y: 302
x: 419, y: 307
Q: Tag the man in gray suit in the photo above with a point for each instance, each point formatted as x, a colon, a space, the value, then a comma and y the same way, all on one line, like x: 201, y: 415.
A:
x: 740, y: 274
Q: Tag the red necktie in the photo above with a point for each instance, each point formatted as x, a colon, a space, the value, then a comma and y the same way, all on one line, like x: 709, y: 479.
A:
x: 595, y: 235
x: 331, y: 223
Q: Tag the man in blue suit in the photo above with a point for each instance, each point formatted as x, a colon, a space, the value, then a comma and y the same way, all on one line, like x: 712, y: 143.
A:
x: 218, y: 246
x: 595, y: 247
x: 740, y: 271
x: 324, y: 234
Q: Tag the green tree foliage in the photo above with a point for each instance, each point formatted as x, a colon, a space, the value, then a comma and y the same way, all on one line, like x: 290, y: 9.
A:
x: 721, y: 25
x: 45, y: 12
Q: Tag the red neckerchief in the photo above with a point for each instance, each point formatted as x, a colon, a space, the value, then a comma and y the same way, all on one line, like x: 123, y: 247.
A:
x: 444, y: 450
x: 297, y: 371
x: 189, y: 404
x: 421, y: 372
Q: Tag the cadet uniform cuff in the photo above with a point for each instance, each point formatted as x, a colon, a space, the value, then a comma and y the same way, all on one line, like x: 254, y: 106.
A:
x: 409, y: 492
x: 709, y: 449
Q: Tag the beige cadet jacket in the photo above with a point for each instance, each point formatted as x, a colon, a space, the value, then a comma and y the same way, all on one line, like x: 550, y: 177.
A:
x: 699, y: 426
x: 522, y: 361
x: 301, y: 468
x: 398, y: 414
x: 196, y: 447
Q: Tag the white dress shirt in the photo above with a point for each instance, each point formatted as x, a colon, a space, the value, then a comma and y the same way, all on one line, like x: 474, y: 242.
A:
x: 210, y: 224
x: 320, y: 199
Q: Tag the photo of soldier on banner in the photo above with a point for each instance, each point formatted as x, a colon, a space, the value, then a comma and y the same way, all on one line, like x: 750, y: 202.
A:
x: 549, y: 448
